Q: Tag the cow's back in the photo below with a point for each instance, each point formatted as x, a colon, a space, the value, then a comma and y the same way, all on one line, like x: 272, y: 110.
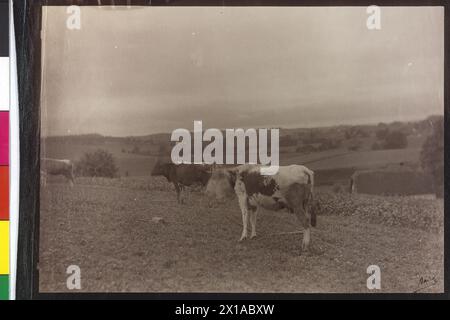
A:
x: 288, y: 175
x: 56, y: 166
x: 188, y: 174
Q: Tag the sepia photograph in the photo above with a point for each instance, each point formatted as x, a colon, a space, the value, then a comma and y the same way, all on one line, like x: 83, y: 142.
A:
x: 241, y: 149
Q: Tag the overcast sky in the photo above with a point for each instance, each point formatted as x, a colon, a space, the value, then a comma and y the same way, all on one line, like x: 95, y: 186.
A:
x: 147, y: 70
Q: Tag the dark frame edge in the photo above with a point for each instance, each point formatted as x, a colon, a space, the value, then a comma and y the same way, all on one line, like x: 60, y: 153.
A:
x: 446, y: 151
x: 27, y: 27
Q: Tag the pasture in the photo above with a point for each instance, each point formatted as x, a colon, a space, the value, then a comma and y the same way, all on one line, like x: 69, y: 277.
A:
x: 106, y: 227
x: 354, y: 159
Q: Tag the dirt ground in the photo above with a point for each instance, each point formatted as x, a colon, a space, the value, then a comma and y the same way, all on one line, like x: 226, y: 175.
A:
x: 108, y: 231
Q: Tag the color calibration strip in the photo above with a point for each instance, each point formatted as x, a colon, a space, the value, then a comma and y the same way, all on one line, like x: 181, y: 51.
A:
x: 4, y: 150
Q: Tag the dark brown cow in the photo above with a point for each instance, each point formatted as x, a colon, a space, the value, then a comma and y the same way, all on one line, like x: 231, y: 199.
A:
x: 182, y: 175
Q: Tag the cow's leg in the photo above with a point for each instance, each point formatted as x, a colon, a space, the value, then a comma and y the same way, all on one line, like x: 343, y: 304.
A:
x: 70, y: 178
x: 253, y: 213
x: 310, y: 218
x: 299, y: 198
x: 241, y: 193
x: 182, y: 194
x: 306, y: 239
x: 242, y: 198
x: 305, y: 221
x: 178, y: 191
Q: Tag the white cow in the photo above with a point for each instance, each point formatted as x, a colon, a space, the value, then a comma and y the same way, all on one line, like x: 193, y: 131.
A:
x: 57, y: 167
x: 290, y: 188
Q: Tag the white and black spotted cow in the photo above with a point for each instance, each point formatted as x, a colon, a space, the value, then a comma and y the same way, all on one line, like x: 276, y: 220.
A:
x: 290, y: 188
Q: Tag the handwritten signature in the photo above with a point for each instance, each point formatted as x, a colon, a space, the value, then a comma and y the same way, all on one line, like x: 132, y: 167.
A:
x: 426, y: 282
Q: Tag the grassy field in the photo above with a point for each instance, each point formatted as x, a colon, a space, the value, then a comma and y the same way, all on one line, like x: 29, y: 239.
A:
x: 357, y: 159
x: 105, y: 226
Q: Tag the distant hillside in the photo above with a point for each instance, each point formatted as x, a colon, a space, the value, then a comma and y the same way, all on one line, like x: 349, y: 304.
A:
x: 321, y: 148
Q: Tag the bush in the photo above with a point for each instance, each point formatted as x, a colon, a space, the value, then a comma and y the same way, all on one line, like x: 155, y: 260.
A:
x: 99, y: 163
x: 432, y: 156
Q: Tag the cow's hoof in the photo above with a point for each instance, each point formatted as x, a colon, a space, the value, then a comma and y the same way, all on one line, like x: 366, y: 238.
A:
x: 253, y: 236
x: 243, y: 238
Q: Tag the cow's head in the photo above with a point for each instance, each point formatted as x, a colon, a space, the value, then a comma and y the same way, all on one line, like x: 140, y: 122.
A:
x: 221, y: 184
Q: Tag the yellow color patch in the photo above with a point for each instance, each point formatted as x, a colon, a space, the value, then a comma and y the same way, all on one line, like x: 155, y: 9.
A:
x: 4, y: 247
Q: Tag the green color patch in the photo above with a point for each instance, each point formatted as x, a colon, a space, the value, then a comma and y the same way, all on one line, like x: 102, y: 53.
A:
x: 4, y: 287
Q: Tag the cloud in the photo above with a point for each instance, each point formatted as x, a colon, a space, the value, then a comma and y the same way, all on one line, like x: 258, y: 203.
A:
x: 238, y: 67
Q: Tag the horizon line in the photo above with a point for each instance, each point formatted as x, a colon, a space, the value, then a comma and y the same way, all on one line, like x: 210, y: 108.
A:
x: 269, y: 128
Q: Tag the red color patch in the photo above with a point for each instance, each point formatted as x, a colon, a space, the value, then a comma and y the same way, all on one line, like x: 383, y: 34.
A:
x: 4, y: 138
x: 4, y: 193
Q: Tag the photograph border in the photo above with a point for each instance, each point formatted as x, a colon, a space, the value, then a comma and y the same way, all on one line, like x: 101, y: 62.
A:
x: 27, y: 17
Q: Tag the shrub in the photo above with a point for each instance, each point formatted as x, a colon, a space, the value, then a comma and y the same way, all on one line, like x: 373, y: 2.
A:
x: 432, y: 156
x: 99, y: 163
